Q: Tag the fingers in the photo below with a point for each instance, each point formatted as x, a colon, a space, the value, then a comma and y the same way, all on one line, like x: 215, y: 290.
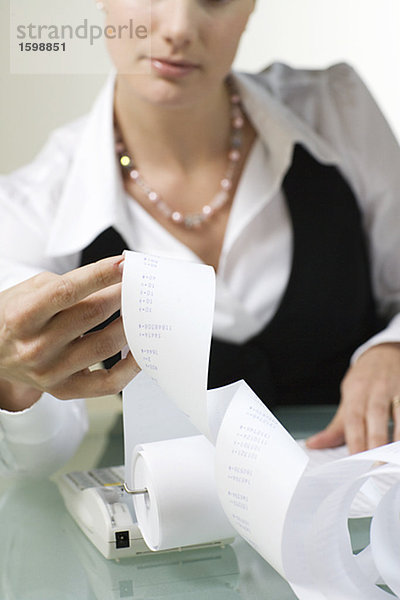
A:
x: 93, y: 348
x: 331, y: 437
x: 356, y: 434
x: 80, y: 354
x: 377, y: 421
x: 92, y: 384
x: 367, y: 416
x: 361, y: 422
x: 55, y: 293
x: 367, y: 394
x: 365, y: 419
x: 68, y: 375
x: 84, y: 316
x: 43, y: 322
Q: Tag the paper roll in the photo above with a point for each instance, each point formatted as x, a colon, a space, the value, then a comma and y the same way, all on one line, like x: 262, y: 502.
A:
x: 295, y: 516
x: 181, y: 507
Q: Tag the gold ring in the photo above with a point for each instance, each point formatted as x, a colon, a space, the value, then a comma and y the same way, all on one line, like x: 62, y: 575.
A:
x: 396, y: 401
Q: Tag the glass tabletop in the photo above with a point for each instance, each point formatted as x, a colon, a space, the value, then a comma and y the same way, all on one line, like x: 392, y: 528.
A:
x: 45, y: 556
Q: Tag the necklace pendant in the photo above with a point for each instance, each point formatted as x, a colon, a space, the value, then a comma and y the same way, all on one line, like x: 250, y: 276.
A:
x: 193, y: 221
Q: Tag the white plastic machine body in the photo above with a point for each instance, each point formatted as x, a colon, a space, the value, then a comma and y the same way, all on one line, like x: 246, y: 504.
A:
x: 97, y: 502
x: 103, y: 511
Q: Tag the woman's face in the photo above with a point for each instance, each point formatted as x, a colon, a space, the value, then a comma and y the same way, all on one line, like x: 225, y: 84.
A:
x: 189, y: 48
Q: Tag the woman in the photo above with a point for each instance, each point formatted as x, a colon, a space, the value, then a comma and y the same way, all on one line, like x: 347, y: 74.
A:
x: 273, y: 179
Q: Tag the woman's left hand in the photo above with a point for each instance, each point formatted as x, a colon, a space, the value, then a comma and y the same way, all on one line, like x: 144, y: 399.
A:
x: 367, y: 394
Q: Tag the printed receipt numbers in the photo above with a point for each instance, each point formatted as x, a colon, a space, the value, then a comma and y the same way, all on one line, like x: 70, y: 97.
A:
x: 294, y: 516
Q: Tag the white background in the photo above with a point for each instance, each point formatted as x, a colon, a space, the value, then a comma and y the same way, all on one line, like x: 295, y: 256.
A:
x: 312, y: 33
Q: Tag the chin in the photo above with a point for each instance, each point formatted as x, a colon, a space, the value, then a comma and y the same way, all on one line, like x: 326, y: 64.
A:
x: 163, y: 92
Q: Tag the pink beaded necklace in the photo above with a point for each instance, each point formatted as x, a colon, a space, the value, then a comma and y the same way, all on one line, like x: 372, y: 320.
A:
x: 192, y: 220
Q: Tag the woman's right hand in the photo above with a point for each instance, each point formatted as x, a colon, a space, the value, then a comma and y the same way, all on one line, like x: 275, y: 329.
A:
x: 43, y: 346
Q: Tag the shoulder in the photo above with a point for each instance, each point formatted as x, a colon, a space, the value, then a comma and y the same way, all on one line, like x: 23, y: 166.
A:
x: 279, y: 76
x: 29, y: 203
x: 335, y: 89
x: 46, y: 174
x: 336, y: 104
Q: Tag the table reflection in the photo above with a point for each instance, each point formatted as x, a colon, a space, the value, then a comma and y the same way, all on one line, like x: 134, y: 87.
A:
x: 45, y: 556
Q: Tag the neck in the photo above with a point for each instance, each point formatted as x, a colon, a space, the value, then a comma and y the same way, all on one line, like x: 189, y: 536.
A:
x: 177, y: 137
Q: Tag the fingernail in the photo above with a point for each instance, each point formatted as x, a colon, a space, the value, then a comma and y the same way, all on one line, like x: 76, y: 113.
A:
x: 119, y: 262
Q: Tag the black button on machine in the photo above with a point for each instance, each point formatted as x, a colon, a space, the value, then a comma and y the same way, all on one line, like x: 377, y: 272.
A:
x: 122, y: 539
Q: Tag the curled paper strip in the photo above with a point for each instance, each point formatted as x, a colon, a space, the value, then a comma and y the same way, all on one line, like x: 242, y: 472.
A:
x: 295, y: 516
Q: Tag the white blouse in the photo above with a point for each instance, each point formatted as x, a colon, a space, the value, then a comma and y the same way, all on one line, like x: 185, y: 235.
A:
x: 255, y: 259
x: 54, y: 207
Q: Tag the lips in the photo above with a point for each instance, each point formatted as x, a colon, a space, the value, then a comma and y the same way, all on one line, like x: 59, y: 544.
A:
x: 175, y: 62
x: 173, y: 68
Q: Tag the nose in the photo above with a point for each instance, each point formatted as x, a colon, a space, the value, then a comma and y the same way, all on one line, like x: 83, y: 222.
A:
x: 178, y: 22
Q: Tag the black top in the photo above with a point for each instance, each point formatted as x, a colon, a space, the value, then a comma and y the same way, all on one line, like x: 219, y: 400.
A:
x: 327, y: 309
